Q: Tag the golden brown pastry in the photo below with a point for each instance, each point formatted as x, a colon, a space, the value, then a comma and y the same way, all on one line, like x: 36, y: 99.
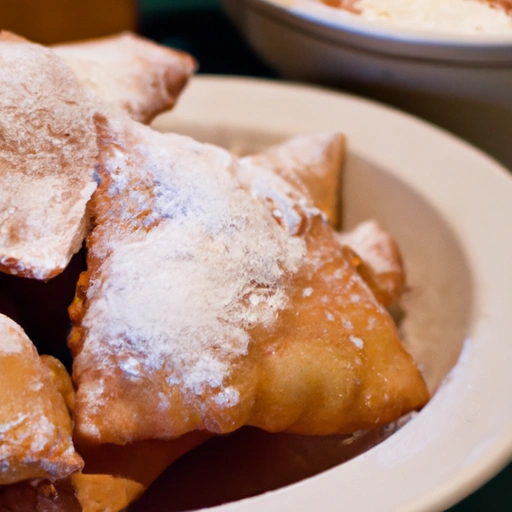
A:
x: 286, y: 178
x: 61, y: 380
x: 198, y: 311
x: 104, y: 493
x: 35, y: 427
x: 114, y: 476
x: 380, y: 252
x: 129, y: 72
x: 47, y: 160
x: 49, y: 149
x: 312, y: 165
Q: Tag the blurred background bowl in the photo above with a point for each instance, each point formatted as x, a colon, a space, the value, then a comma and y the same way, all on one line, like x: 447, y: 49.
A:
x: 461, y: 82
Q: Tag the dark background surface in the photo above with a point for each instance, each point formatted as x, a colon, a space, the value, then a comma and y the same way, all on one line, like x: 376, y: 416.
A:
x: 200, y: 27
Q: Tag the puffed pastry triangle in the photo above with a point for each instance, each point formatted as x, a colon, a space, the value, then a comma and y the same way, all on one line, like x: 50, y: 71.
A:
x: 113, y: 476
x: 129, y: 72
x: 286, y: 176
x: 313, y: 165
x: 380, y: 252
x: 49, y: 151
x: 198, y: 311
x: 47, y: 159
x: 35, y: 427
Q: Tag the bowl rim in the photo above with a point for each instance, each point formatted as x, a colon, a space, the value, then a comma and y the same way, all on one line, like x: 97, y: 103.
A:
x: 313, y: 13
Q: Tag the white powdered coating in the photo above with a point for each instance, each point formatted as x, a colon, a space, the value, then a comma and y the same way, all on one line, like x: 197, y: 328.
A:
x: 348, y: 324
x: 47, y: 158
x: 12, y: 338
x: 13, y: 434
x: 30, y: 434
x: 302, y: 176
x: 45, y: 431
x: 7, y: 427
x: 304, y: 156
x: 374, y: 245
x: 449, y: 16
x: 227, y: 398
x: 129, y: 72
x: 93, y: 394
x: 358, y: 342
x: 182, y: 296
x: 9, y: 344
x: 290, y: 201
x: 37, y: 247
x: 307, y: 292
x: 39, y: 432
x: 131, y: 367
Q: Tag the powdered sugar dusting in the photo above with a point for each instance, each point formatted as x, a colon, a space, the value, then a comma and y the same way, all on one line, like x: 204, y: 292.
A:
x: 374, y: 245
x: 181, y: 296
x: 290, y: 202
x: 347, y: 324
x: 307, y: 292
x: 47, y: 158
x: 9, y: 344
x: 129, y: 72
x: 6, y: 427
x: 358, y: 342
x: 227, y: 398
x: 32, y: 241
x: 35, y: 436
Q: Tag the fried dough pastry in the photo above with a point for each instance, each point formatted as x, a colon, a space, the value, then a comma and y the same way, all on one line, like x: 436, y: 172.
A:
x: 198, y: 311
x: 312, y: 165
x: 47, y: 160
x: 35, y: 433
x: 104, y: 493
x: 61, y: 380
x: 284, y: 178
x: 135, y: 75
x: 117, y: 476
x: 379, y: 250
x: 49, y: 149
x: 114, y: 476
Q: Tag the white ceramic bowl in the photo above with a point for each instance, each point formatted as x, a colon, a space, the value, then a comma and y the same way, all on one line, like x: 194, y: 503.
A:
x: 450, y: 208
x: 304, y: 41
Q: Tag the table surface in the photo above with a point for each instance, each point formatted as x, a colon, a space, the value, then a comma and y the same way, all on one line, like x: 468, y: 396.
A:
x: 199, y: 27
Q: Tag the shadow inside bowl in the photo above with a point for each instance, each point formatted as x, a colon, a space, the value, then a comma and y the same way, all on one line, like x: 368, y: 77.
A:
x: 247, y: 463
x: 438, y: 313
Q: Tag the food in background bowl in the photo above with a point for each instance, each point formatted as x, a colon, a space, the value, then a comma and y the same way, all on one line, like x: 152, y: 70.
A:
x: 459, y: 81
x: 453, y: 16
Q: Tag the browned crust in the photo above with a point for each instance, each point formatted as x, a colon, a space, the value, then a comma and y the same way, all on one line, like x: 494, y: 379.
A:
x: 131, y: 73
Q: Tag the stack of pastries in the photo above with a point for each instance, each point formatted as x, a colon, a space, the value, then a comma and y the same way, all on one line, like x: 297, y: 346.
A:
x: 215, y: 291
